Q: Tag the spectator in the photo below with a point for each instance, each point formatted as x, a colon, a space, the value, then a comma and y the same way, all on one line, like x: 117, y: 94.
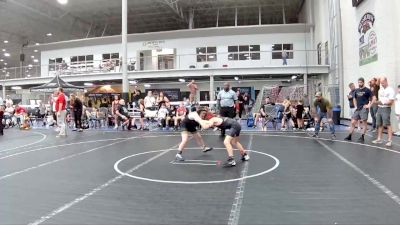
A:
x: 20, y: 113
x: 1, y: 119
x: 352, y: 107
x: 386, y: 98
x: 2, y: 102
x: 161, y: 99
x: 122, y: 112
x: 284, y: 57
x: 114, y: 108
x: 136, y: 95
x: 299, y: 114
x: 262, y: 114
x: 240, y: 103
x: 77, y: 111
x: 162, y: 115
x: 362, y: 102
x: 374, y: 87
x: 8, y: 100
x: 141, y: 109
x: 149, y: 100
x: 171, y: 115
x: 247, y: 104
x: 226, y: 101
x: 287, y: 115
x: 193, y: 91
x: 397, y: 109
x: 180, y: 114
x: 61, y: 105
x: 323, y: 109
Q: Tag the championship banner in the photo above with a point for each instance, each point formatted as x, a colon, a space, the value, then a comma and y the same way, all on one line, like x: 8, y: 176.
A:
x: 368, y: 42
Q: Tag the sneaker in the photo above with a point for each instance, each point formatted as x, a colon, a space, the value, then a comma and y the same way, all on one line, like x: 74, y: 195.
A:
x: 230, y: 163
x: 333, y: 137
x: 397, y: 133
x: 207, y: 149
x: 361, y: 139
x: 245, y: 157
x: 348, y: 138
x: 179, y: 157
x: 80, y: 130
x: 377, y: 141
x: 315, y: 136
x: 389, y: 144
x: 116, y: 127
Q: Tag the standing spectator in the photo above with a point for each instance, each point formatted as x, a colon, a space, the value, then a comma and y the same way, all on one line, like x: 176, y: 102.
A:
x: 323, y: 109
x: 53, y: 100
x: 122, y: 112
x: 248, y: 104
x: 284, y: 57
x: 114, y: 108
x: 386, y: 99
x: 262, y: 114
x: 9, y: 100
x: 299, y: 114
x: 61, y: 105
x: 1, y: 119
x: 141, y: 110
x: 162, y: 99
x: 226, y: 101
x: 77, y: 110
x: 149, y: 100
x: 362, y: 101
x: 136, y: 95
x: 193, y: 91
x: 374, y: 87
x: 240, y: 103
x: 397, y: 109
x: 352, y: 107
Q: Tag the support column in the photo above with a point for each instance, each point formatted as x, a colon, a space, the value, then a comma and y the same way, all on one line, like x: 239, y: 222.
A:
x: 236, y: 17
x: 212, y: 92
x: 125, y: 82
x: 3, y: 89
x: 305, y: 79
x: 191, y: 19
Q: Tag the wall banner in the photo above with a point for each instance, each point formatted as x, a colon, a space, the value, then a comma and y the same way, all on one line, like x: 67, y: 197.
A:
x: 368, y: 42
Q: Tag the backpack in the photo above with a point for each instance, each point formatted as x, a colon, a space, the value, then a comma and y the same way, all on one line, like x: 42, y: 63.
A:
x: 250, y: 121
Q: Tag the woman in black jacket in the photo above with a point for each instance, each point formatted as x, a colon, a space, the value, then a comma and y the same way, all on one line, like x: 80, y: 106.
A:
x: 77, y: 109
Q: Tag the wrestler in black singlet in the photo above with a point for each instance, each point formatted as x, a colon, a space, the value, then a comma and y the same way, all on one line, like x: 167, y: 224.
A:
x: 189, y: 125
x: 233, y: 126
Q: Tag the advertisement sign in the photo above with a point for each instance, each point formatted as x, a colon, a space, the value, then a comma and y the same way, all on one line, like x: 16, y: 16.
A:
x: 368, y: 41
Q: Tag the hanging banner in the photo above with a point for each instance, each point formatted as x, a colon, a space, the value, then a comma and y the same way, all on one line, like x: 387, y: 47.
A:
x: 368, y: 42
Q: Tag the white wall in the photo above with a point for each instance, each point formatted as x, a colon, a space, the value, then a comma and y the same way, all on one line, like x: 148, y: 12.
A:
x: 186, y: 50
x: 388, y: 33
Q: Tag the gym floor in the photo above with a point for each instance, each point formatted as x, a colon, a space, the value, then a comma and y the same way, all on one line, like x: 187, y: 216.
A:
x: 101, y: 177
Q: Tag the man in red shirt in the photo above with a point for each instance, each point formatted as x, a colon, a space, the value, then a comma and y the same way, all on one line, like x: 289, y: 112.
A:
x: 20, y: 113
x: 180, y: 114
x: 61, y: 105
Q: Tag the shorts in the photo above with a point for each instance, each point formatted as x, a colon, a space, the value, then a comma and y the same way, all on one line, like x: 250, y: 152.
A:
x: 361, y: 114
x: 141, y: 114
x: 383, y: 116
x: 235, y: 130
x: 351, y: 112
x: 189, y: 125
x: 227, y: 112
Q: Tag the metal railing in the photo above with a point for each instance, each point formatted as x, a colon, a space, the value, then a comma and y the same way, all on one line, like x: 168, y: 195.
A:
x: 250, y: 59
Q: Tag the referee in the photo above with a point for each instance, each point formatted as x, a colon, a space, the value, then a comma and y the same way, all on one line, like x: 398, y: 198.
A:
x: 226, y: 101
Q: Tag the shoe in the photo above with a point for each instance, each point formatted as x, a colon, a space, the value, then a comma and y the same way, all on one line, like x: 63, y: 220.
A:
x: 361, y: 139
x: 59, y: 136
x: 377, y: 141
x: 245, y: 157
x: 315, y: 136
x: 74, y: 129
x: 230, y: 162
x: 333, y: 137
x: 207, y: 149
x: 179, y: 157
x: 115, y: 128
x: 348, y: 138
x: 283, y: 129
x: 389, y: 144
x: 397, y: 133
x: 80, y: 130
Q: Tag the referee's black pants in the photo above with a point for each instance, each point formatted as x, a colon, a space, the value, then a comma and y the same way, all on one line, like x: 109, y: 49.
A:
x: 227, y: 112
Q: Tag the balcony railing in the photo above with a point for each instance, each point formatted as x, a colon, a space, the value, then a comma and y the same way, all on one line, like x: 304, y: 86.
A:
x: 171, y: 62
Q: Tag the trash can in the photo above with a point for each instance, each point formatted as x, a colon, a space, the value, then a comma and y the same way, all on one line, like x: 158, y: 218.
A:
x: 336, y: 115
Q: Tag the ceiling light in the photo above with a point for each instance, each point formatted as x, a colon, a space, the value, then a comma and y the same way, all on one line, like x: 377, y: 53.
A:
x: 36, y: 60
x: 28, y: 75
x: 182, y: 80
x: 37, y: 44
x: 30, y: 65
x: 7, y: 54
x: 294, y: 77
x: 133, y: 82
x: 5, y: 41
x: 62, y: 2
x: 147, y: 85
x: 7, y: 75
x: 32, y: 56
x: 1, y: 60
x: 35, y: 50
x: 88, y: 84
x: 16, y: 88
x: 26, y: 71
x: 3, y: 50
x: 5, y: 68
x: 49, y: 34
x: 5, y: 64
x: 236, y: 78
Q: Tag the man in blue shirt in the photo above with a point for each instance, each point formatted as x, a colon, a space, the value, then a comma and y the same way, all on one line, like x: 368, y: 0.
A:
x: 362, y: 102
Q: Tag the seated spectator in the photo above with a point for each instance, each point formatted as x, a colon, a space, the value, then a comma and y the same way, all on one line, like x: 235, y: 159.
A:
x: 1, y: 119
x: 122, y: 113
x: 180, y: 114
x: 20, y: 113
x: 161, y: 99
x: 171, y: 115
x: 247, y: 104
x: 261, y: 113
x: 162, y: 115
x: 149, y: 100
x: 299, y: 114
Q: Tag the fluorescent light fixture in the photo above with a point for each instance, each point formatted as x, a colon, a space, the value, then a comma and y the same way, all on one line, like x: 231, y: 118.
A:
x: 49, y: 34
x: 30, y: 65
x: 182, y: 80
x: 107, y: 86
x: 147, y: 85
x: 236, y: 78
x: 37, y: 44
x: 32, y: 56
x: 5, y: 64
x: 211, y: 56
x: 5, y: 41
x: 88, y: 84
x: 36, y: 60
x: 5, y: 68
x: 28, y: 75
x: 133, y: 81
x: 35, y: 50
x: 26, y: 71
x: 4, y: 50
x: 62, y: 2
x: 16, y: 87
x: 294, y: 77
x: 7, y: 54
x: 1, y: 60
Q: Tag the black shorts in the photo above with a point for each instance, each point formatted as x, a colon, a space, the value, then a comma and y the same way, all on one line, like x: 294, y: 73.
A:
x: 141, y: 114
x: 235, y: 130
x: 189, y: 125
x: 227, y: 112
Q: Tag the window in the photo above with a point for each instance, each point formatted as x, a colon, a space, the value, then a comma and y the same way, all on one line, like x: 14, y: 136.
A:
x: 53, y: 63
x: 82, y: 59
x: 326, y: 53
x: 319, y: 49
x: 277, y: 50
x: 206, y: 54
x: 111, y: 56
x: 244, y: 52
